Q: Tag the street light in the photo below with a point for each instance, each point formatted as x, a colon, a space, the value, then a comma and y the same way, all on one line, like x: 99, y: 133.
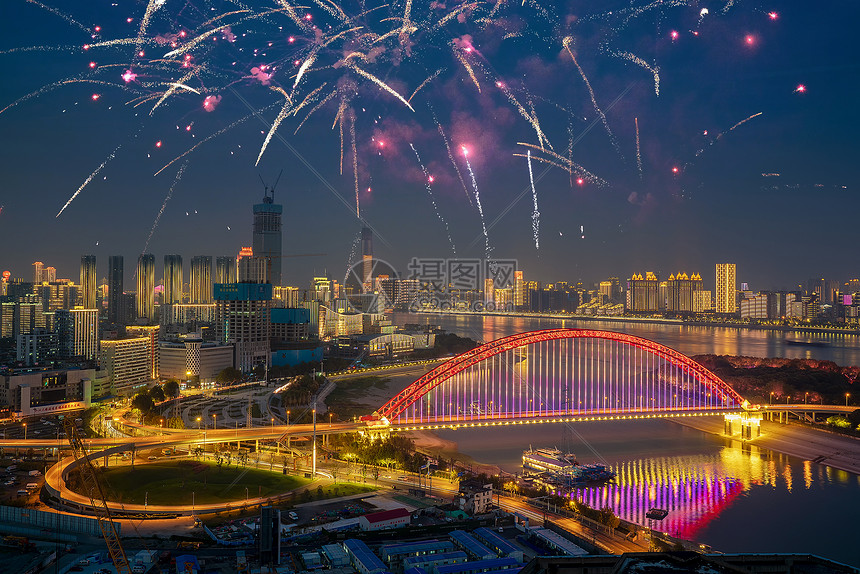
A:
x: 329, y: 419
x: 214, y: 421
x: 771, y: 398
x: 847, y: 395
x: 273, y: 424
x: 25, y: 424
x: 805, y: 398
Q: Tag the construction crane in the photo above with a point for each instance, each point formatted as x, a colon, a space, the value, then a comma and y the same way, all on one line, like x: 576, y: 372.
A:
x: 93, y: 489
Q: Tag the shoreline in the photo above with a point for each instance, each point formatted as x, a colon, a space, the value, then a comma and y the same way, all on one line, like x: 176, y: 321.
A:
x: 649, y: 321
x: 836, y: 451
x: 428, y: 443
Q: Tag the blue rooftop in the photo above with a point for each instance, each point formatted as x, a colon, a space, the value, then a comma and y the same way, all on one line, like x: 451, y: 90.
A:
x: 494, y: 540
x: 479, y: 566
x: 363, y: 554
x: 471, y: 545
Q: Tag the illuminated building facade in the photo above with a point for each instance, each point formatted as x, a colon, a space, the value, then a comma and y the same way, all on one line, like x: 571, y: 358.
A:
x: 726, y: 292
x: 225, y: 269
x: 89, y: 282
x: 172, y: 280
x: 146, y: 287
x: 201, y: 279
x: 242, y: 319
x: 643, y: 293
x: 267, y: 236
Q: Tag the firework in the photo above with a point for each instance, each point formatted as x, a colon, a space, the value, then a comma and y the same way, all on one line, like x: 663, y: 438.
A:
x: 535, y: 212
x: 89, y: 179
x: 164, y: 205
x: 638, y: 148
x: 428, y: 181
x: 487, y: 248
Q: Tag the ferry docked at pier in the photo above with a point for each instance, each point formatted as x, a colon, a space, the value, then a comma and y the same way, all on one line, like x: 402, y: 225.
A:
x: 553, y: 468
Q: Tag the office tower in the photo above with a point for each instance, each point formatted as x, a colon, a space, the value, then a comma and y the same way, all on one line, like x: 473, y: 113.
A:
x: 201, y: 279
x: 50, y: 274
x: 242, y: 319
x: 225, y: 269
x: 172, y: 279
x: 115, y: 289
x: 38, y: 272
x: 367, y: 257
x: 89, y: 282
x: 726, y: 301
x: 85, y: 332
x: 146, y: 287
x: 643, y: 293
x: 270, y: 534
x: 267, y: 235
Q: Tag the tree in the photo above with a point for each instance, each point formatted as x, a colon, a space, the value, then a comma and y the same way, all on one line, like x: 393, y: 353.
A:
x: 143, y: 402
x: 157, y: 393
x: 171, y: 388
x: 229, y: 375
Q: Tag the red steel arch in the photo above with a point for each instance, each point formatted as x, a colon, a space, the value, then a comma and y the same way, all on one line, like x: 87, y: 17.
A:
x: 458, y: 364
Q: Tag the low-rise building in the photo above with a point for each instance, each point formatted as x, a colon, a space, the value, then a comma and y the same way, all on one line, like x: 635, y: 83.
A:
x: 191, y: 357
x: 474, y: 497
x: 362, y: 558
x: 394, y: 518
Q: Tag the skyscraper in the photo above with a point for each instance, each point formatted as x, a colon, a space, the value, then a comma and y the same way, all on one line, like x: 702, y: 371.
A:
x: 38, y: 272
x: 115, y: 288
x: 49, y: 275
x: 146, y: 287
x: 225, y: 269
x: 89, y: 282
x: 85, y: 329
x: 726, y: 301
x: 367, y: 257
x: 267, y: 235
x: 201, y: 279
x: 172, y: 279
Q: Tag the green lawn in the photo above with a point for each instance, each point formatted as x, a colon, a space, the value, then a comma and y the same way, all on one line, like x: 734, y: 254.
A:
x: 173, y: 482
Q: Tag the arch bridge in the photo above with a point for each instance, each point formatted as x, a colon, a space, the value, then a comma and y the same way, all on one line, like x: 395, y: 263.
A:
x: 563, y: 374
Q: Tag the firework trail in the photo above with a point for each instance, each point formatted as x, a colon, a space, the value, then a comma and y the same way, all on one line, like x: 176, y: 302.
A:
x: 381, y: 84
x: 566, y: 42
x: 487, y: 248
x: 210, y: 137
x: 89, y: 179
x: 451, y: 157
x: 536, y: 212
x: 323, y: 102
x: 529, y: 117
x: 468, y: 68
x: 655, y: 70
x: 428, y: 179
x: 51, y: 87
x: 425, y: 82
x: 65, y: 17
x: 721, y: 134
x: 281, y: 115
x: 176, y: 86
x: 151, y: 7
x: 563, y: 161
x: 354, y: 162
x: 353, y: 251
x: 164, y: 205
x: 638, y: 149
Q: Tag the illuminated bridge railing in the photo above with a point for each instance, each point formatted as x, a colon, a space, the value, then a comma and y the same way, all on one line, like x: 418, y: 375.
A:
x: 561, y: 372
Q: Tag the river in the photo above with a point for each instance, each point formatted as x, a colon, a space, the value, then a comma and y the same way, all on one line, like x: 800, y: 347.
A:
x: 732, y: 496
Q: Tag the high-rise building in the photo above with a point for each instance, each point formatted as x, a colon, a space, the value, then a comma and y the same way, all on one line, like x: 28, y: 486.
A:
x: 726, y: 292
x: 146, y: 287
x: 681, y: 292
x: 172, y: 279
x: 519, y: 289
x: 252, y: 269
x: 225, y: 269
x: 89, y: 282
x: 489, y: 291
x: 115, y: 289
x: 85, y: 329
x: 267, y: 235
x: 50, y: 274
x: 201, y: 279
x: 38, y: 272
x: 242, y: 319
x: 367, y: 257
x: 150, y: 332
x: 642, y: 293
x: 126, y: 362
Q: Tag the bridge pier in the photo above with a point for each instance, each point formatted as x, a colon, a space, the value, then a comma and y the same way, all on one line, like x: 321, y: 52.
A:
x: 745, y: 424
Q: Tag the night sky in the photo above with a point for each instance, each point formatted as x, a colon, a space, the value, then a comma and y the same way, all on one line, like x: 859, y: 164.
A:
x: 724, y: 204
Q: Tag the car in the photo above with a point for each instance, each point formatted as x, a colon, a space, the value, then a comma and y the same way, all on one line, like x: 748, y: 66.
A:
x: 152, y: 458
x: 293, y: 515
x: 84, y: 562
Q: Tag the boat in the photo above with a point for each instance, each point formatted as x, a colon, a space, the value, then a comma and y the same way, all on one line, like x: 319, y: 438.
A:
x: 802, y: 343
x: 553, y: 468
x: 657, y: 514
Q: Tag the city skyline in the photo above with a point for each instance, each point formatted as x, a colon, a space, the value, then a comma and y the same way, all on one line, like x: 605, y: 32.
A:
x: 724, y: 203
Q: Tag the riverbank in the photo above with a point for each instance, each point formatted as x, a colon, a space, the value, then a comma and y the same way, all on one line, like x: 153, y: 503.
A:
x: 428, y: 443
x: 836, y: 451
x: 649, y: 321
